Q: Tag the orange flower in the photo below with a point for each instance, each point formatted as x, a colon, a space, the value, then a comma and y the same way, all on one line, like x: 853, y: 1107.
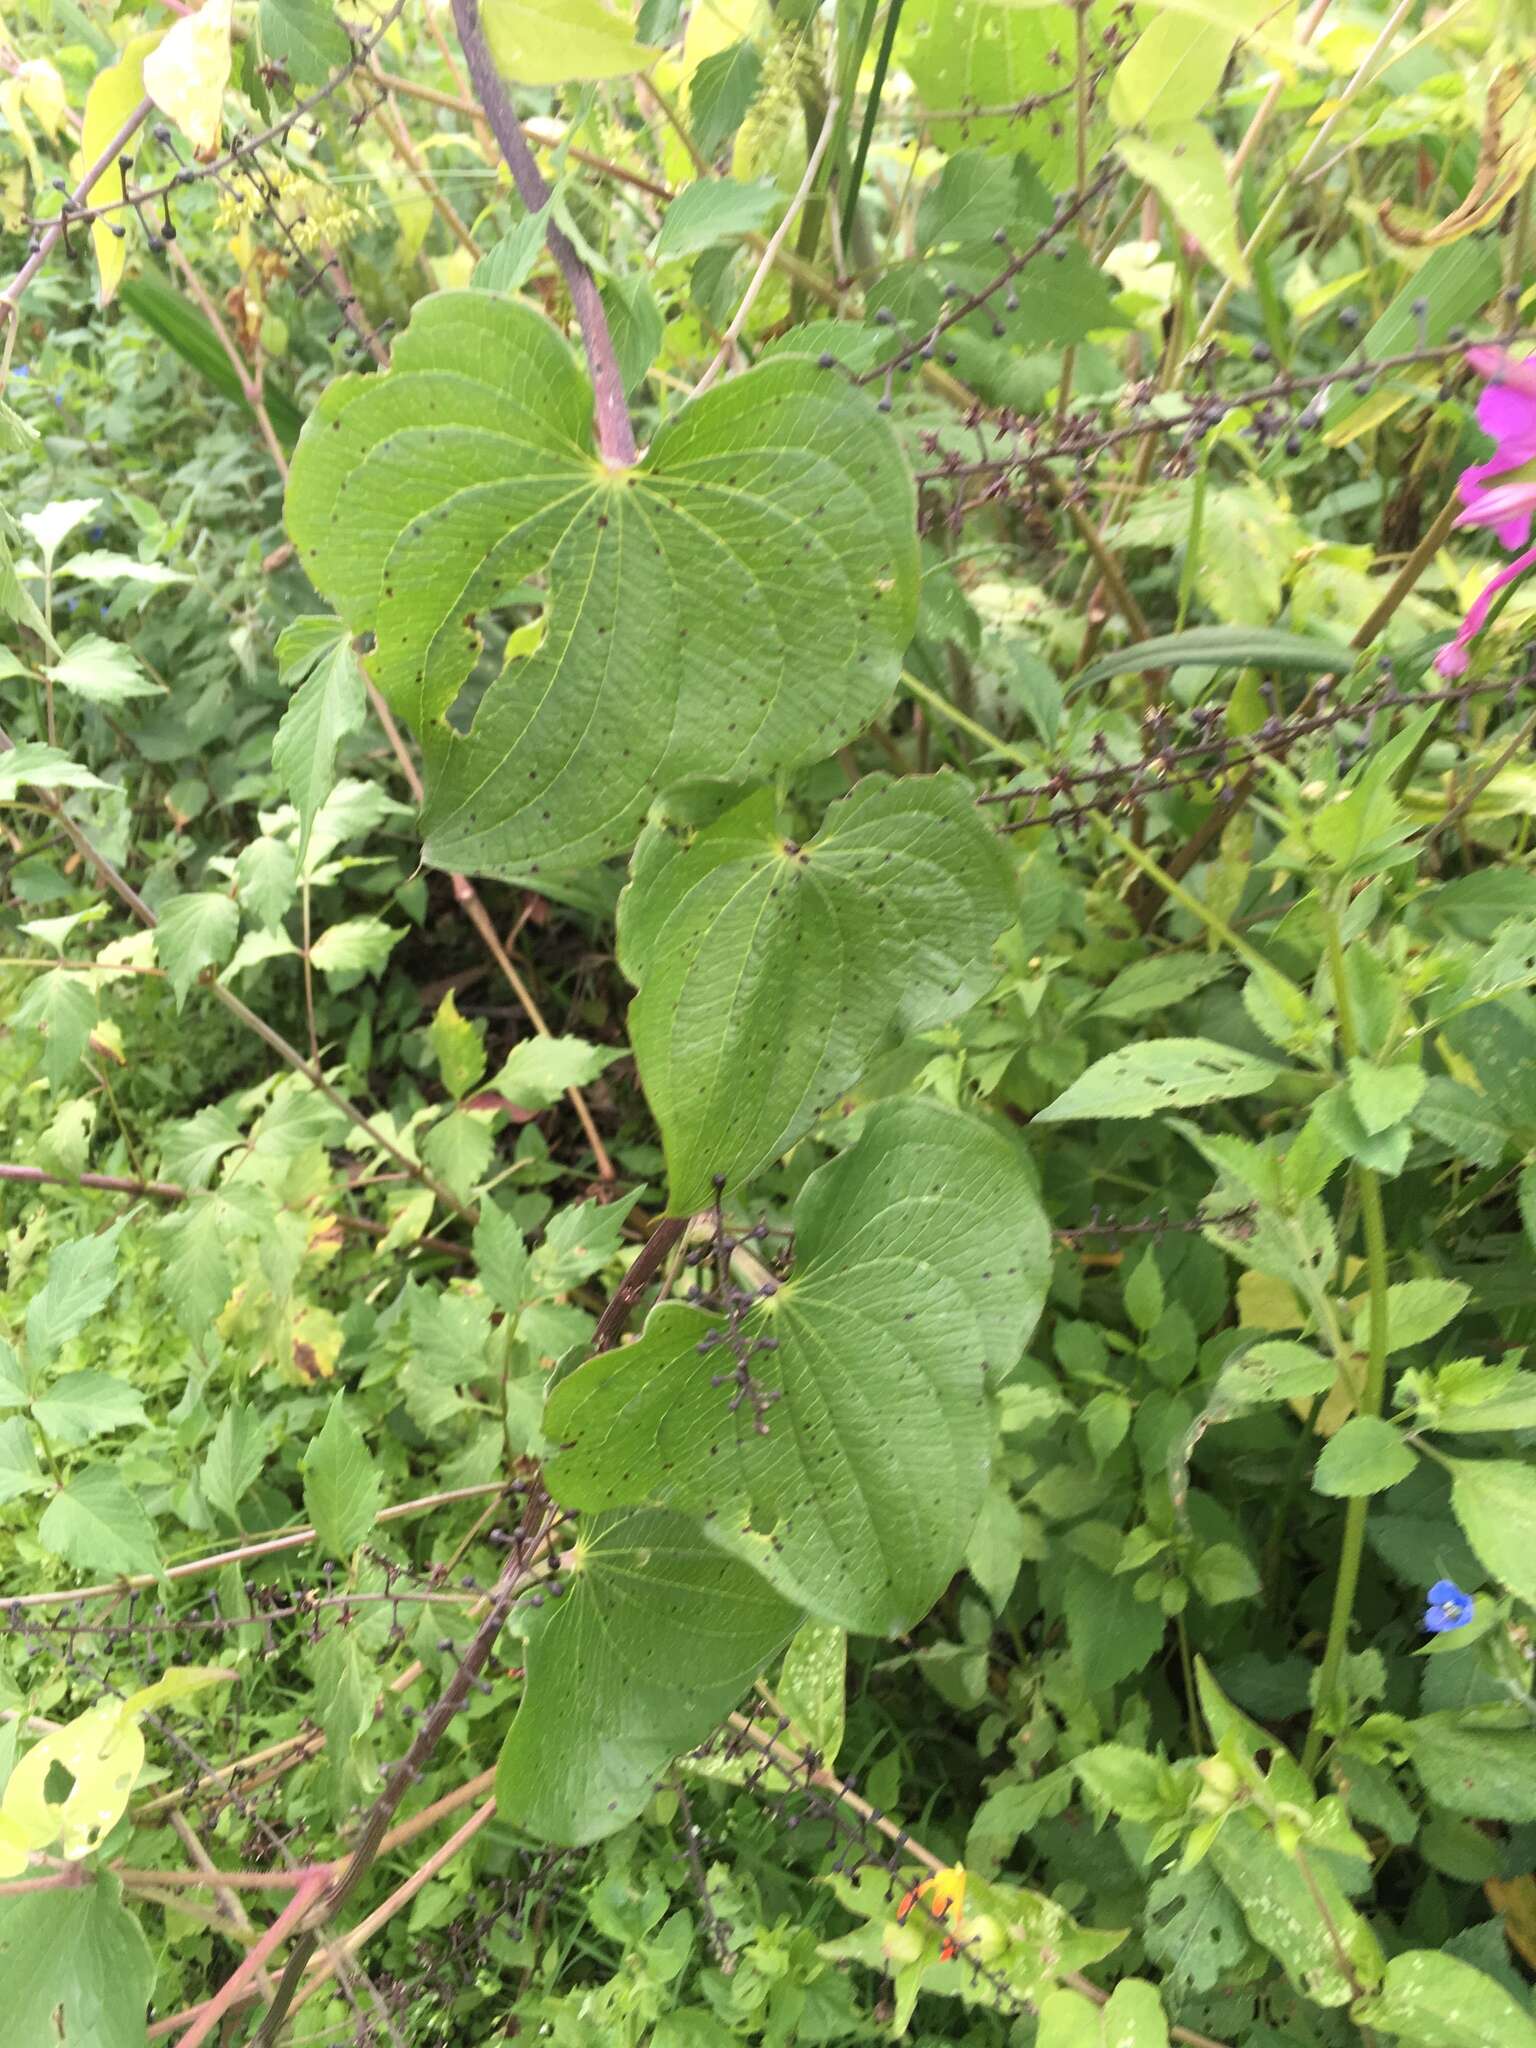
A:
x: 945, y: 1895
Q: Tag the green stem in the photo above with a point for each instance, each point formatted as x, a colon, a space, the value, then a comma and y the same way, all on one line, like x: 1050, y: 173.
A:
x: 871, y: 115
x: 1373, y: 1225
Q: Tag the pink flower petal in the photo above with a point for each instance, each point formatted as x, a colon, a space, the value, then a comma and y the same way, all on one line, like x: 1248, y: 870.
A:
x: 1507, y: 508
x: 1500, y: 367
x: 1508, y: 416
x: 1452, y: 660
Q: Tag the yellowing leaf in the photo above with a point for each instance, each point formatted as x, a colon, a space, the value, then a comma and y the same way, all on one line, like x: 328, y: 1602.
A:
x: 1267, y: 1303
x: 179, y: 1683
x: 187, y: 75
x: 546, y: 42
x: 112, y: 98
x: 1184, y: 167
x: 102, y: 1753
x: 316, y: 1343
x: 714, y: 25
x: 43, y: 90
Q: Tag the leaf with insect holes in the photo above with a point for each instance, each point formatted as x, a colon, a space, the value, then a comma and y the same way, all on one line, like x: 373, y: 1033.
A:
x: 655, y: 1639
x: 771, y: 974
x: 922, y: 1257
x: 735, y: 604
x: 1165, y: 1073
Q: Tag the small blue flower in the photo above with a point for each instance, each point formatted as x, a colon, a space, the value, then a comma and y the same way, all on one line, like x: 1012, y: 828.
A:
x: 1449, y: 1608
x: 21, y: 370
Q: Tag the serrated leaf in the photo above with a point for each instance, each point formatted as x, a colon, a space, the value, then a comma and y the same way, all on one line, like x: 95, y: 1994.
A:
x: 770, y: 974
x: 1476, y: 1768
x: 341, y: 1487
x: 32, y: 765
x: 1495, y: 1503
x: 720, y: 92
x: 774, y: 518
x: 20, y: 1472
x: 714, y: 210
x: 620, y: 1678
x: 358, y: 945
x: 921, y: 1259
x: 458, y: 1045
x: 101, y: 672
x: 540, y: 1070
x: 1167, y: 1073
x: 1365, y: 1455
x: 1434, y: 2000
x: 1416, y: 1311
x: 501, y: 1258
x: 510, y: 263
x: 327, y: 707
x: 305, y: 37
x: 1383, y: 1096
x: 88, y: 1404
x: 234, y: 1459
x: 81, y: 1276
x: 96, y: 1524
x: 61, y: 1007
x: 458, y: 1149
x: 266, y: 881
x: 195, y: 932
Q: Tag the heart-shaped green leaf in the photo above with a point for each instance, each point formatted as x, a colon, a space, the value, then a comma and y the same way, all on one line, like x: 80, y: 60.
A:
x: 734, y: 605
x: 655, y: 1640
x: 922, y: 1259
x: 770, y: 973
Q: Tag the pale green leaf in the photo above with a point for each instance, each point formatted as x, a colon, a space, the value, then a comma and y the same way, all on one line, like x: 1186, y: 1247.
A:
x: 1185, y: 168
x: 546, y: 42
x: 771, y: 973
x: 1325, y: 1947
x: 195, y: 932
x: 234, y: 1458
x: 1433, y: 2000
x: 77, y: 1969
x: 327, y: 706
x: 1383, y: 1096
x: 305, y: 37
x: 96, y: 1524
x: 1175, y: 65
x: 32, y: 765
x: 88, y: 1404
x: 358, y: 945
x: 773, y: 516
x: 921, y: 1258
x: 714, y: 210
x: 812, y: 1687
x: 458, y: 1045
x: 539, y: 1070
x: 341, y: 1487
x: 1164, y: 1073
x: 81, y: 1276
x: 1416, y: 1311
x: 1474, y: 1767
x: 1365, y: 1455
x: 19, y: 1470
x: 101, y: 672
x: 1495, y: 1503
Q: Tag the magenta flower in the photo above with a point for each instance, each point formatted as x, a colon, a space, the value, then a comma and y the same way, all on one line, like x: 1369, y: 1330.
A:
x: 1500, y: 493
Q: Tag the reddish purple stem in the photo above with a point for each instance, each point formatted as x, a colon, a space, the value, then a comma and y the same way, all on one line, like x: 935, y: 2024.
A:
x: 615, y: 432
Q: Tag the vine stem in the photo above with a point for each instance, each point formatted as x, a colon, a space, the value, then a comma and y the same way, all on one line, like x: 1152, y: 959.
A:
x: 10, y: 298
x: 770, y: 254
x: 1373, y: 1226
x: 615, y: 430
x: 289, y: 1054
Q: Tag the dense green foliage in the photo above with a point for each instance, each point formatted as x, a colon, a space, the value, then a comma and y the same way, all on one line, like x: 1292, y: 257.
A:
x: 767, y: 1024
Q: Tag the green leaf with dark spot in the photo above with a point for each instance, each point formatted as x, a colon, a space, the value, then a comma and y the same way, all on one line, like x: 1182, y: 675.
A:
x: 734, y: 605
x: 770, y: 973
x: 655, y: 1639
x: 921, y: 1261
